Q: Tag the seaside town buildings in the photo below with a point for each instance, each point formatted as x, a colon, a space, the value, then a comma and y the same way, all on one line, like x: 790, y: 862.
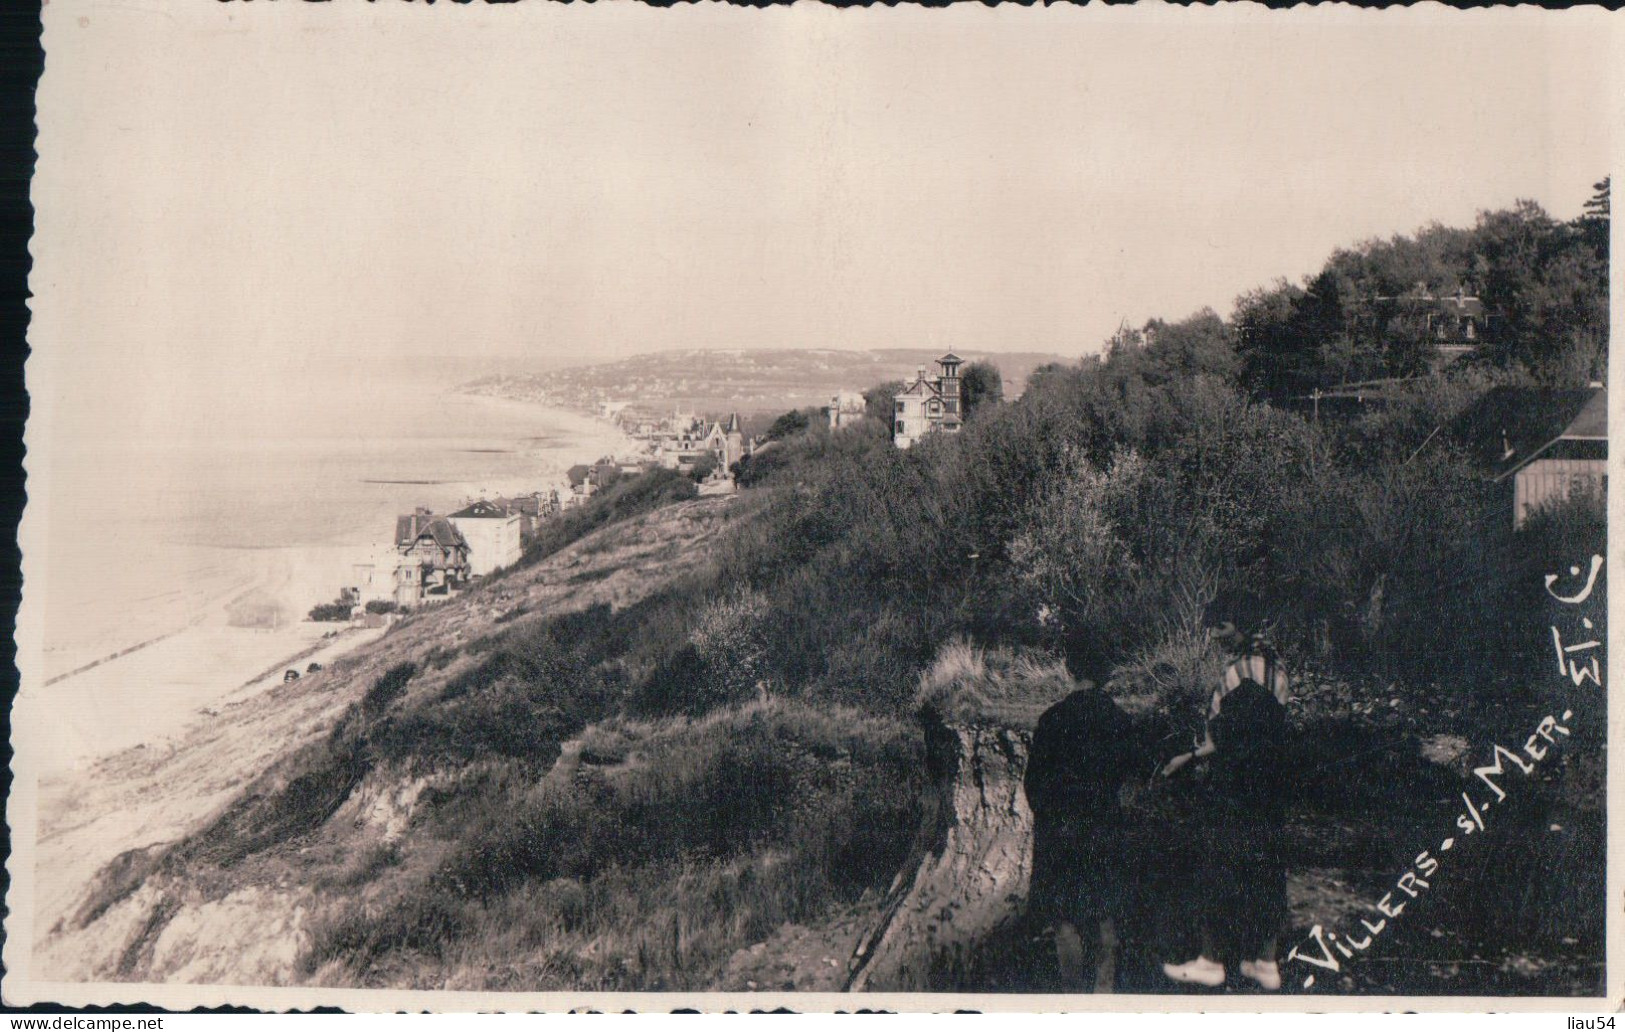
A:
x: 533, y: 510
x: 845, y: 409
x: 683, y: 439
x: 492, y: 532
x: 433, y: 557
x: 929, y: 405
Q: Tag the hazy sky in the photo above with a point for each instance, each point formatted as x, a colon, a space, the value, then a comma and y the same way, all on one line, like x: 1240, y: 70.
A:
x: 229, y: 190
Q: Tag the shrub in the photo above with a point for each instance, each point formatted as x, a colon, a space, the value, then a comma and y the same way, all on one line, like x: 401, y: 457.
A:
x: 968, y: 684
x: 724, y: 828
x: 703, y: 467
x: 330, y: 612
x: 382, y: 606
x: 728, y: 640
x: 626, y: 498
x: 789, y: 424
x: 390, y: 686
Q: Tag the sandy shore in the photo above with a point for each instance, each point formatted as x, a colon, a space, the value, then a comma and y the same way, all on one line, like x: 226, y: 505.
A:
x: 176, y: 652
x: 130, y: 728
x: 93, y: 714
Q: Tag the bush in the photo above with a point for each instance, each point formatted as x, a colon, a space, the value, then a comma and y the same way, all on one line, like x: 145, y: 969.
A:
x: 382, y: 606
x: 728, y: 641
x: 789, y: 424
x: 726, y: 828
x: 967, y: 684
x: 627, y: 498
x: 331, y: 612
x: 389, y: 687
x: 703, y: 467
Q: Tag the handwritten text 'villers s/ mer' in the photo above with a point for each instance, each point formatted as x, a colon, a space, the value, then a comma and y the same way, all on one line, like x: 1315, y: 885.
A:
x: 1326, y: 949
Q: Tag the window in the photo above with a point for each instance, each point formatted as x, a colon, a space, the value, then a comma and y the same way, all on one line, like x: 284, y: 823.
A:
x: 899, y: 408
x: 900, y: 427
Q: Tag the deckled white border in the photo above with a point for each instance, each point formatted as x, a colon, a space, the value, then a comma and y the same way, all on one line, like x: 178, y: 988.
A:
x: 19, y: 988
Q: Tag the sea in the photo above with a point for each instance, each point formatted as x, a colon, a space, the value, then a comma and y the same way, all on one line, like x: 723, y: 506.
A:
x: 139, y: 533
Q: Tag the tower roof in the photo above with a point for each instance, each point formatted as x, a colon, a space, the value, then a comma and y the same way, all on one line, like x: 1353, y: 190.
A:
x: 950, y: 357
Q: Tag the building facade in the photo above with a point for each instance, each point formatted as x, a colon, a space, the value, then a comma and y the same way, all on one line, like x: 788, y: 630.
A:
x: 493, y: 533
x: 845, y: 409
x: 1574, y: 460
x: 929, y: 404
x: 432, y: 557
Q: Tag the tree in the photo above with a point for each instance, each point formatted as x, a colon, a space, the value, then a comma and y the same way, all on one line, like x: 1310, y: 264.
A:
x: 880, y: 403
x: 704, y: 466
x: 1597, y: 206
x: 787, y: 424
x: 1550, y: 288
x: 1194, y: 346
x: 981, y: 383
x: 1273, y: 352
x: 1594, y: 223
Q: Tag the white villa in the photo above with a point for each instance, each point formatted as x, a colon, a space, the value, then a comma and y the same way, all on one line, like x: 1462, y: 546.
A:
x: 929, y: 405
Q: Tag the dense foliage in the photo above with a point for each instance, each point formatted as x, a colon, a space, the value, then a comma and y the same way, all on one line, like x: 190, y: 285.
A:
x: 981, y: 384
x: 1122, y: 501
x: 1543, y: 283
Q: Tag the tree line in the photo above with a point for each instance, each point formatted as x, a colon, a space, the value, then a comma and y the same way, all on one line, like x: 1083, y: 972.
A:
x: 1122, y: 500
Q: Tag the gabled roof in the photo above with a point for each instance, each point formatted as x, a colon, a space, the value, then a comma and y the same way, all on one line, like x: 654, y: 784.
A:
x: 1454, y: 304
x: 482, y: 510
x: 1592, y: 422
x: 925, y: 385
x: 1461, y: 306
x: 1510, y: 426
x: 412, y: 528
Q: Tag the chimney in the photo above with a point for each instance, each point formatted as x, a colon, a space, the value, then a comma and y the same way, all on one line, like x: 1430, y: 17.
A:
x: 920, y: 372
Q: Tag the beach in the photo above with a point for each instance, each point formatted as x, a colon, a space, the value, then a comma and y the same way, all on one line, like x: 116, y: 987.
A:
x: 141, y: 543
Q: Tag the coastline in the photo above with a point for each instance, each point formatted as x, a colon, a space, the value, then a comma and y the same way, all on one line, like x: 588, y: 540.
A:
x: 182, y: 652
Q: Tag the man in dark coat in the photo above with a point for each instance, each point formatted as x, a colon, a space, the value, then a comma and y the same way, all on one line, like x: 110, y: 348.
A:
x: 1241, y: 869
x: 1082, y: 751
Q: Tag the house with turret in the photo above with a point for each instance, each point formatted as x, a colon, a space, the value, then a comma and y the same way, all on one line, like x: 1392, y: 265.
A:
x: 726, y: 440
x: 929, y: 404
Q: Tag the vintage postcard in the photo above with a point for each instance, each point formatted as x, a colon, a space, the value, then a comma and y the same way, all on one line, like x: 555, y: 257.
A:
x: 536, y: 506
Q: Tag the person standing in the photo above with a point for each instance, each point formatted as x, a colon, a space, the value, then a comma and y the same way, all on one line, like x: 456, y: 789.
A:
x: 1082, y: 752
x: 1243, y: 872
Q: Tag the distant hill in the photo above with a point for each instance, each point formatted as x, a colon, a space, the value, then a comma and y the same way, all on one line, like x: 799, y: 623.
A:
x: 744, y: 381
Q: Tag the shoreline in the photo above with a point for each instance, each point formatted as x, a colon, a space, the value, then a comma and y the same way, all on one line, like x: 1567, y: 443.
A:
x: 187, y: 658
x: 303, y: 573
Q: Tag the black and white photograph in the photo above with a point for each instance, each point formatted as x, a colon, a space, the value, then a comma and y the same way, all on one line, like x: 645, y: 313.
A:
x: 537, y: 505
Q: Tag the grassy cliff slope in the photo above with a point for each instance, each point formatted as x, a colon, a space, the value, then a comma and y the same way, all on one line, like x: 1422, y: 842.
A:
x: 474, y: 801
